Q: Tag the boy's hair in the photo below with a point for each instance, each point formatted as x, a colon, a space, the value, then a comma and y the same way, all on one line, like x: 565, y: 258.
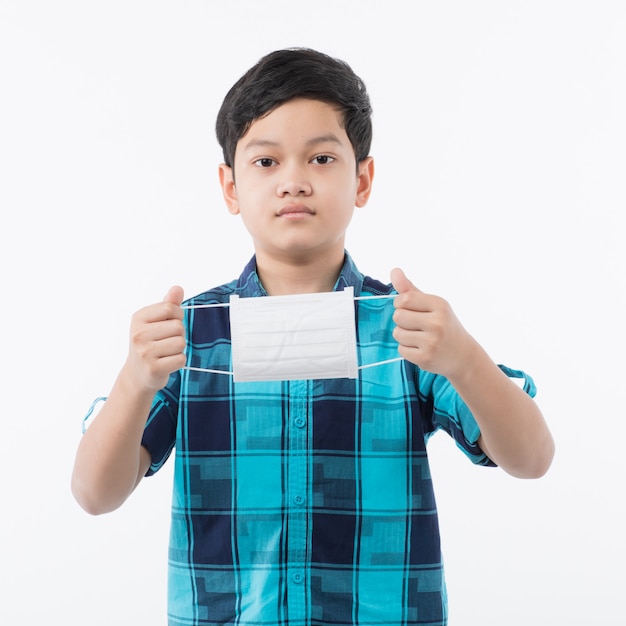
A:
x: 283, y: 75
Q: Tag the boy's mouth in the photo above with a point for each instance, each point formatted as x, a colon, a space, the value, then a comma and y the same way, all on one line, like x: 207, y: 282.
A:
x: 294, y: 210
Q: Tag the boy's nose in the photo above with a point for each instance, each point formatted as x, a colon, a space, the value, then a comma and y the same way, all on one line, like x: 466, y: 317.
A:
x: 294, y: 183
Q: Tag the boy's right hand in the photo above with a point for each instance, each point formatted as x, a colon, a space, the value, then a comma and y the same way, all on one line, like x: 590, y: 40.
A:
x: 157, y: 342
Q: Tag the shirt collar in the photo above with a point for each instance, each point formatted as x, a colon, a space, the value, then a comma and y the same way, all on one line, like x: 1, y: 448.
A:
x: 349, y: 276
x: 249, y: 285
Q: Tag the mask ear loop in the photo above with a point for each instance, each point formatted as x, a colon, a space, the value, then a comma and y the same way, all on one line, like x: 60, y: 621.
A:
x: 377, y: 363
x: 203, y: 369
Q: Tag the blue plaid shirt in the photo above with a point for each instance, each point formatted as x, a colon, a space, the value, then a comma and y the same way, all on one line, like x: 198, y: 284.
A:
x: 304, y: 502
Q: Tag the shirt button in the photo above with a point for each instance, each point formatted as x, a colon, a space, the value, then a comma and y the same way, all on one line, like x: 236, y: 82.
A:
x: 297, y: 577
x: 300, y: 422
x: 299, y: 500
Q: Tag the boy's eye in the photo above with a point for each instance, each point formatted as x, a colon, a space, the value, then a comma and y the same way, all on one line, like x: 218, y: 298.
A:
x: 264, y: 162
x: 323, y: 159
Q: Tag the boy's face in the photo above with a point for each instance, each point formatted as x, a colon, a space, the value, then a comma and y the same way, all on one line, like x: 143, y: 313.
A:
x: 295, y: 182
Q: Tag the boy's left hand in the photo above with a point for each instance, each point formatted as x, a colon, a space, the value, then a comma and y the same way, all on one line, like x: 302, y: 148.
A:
x: 428, y: 331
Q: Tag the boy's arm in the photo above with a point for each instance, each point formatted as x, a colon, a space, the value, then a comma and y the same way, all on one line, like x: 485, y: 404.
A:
x: 513, y: 432
x: 110, y: 461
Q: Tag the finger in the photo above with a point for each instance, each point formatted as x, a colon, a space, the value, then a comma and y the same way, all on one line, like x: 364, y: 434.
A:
x: 410, y: 319
x: 145, y: 336
x: 168, y: 346
x: 164, y: 329
x: 174, y: 295
x: 409, y: 296
x: 400, y: 282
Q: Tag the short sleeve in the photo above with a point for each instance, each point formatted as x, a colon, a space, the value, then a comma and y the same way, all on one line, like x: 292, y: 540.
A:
x: 450, y: 413
x: 159, y: 436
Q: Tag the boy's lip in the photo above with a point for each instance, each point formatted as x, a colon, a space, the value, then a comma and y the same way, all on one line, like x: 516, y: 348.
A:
x: 294, y: 209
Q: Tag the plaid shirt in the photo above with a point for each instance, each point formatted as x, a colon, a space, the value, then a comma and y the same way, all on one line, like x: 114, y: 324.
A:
x: 304, y: 502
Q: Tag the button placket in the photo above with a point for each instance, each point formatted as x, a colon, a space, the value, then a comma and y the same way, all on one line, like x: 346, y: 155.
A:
x: 297, y: 500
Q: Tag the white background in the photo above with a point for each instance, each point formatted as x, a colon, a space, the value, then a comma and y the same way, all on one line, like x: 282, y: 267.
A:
x: 500, y: 141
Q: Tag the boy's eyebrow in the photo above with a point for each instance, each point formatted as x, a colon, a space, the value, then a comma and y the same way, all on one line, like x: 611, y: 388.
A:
x: 328, y: 138
x: 263, y: 143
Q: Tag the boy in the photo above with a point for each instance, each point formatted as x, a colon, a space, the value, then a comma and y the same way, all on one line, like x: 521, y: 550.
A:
x: 306, y: 500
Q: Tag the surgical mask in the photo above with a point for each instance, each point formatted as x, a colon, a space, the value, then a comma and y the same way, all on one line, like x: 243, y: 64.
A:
x: 295, y: 337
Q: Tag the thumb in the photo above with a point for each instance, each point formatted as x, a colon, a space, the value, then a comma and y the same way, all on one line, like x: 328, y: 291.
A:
x: 174, y: 295
x: 400, y: 282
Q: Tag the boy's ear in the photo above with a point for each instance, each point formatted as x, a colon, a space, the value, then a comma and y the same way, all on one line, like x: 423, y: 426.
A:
x: 229, y: 191
x: 365, y: 178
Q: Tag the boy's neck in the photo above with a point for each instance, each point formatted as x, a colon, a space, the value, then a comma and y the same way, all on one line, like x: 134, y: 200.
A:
x: 307, y: 275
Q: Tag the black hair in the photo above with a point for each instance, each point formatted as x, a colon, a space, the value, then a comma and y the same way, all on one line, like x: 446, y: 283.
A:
x: 283, y: 75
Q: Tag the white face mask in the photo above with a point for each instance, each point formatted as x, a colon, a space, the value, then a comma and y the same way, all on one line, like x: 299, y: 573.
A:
x: 295, y: 337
